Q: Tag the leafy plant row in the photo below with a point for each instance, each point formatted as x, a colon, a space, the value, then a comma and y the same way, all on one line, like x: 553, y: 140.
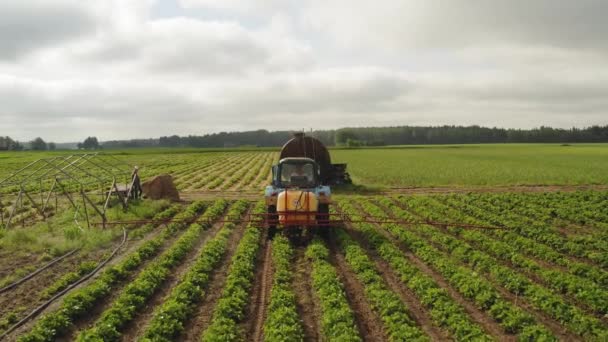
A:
x: 588, y: 293
x: 526, y: 244
x: 468, y: 283
x: 136, y: 294
x: 580, y: 207
x: 246, y: 172
x: 531, y: 229
x: 217, y: 175
x: 80, y: 302
x: 265, y: 171
x: 168, y: 319
x: 529, y: 211
x: 392, y: 311
x: 337, y: 322
x: 451, y: 209
x: 230, y: 309
x: 234, y: 174
x: 540, y: 297
x: 195, y: 174
x: 67, y: 279
x: 146, y: 228
x: 442, y: 308
x: 282, y: 320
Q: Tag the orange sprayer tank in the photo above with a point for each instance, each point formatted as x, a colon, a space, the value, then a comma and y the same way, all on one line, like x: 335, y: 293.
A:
x: 290, y: 202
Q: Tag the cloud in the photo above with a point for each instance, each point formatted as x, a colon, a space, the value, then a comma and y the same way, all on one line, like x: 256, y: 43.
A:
x: 114, y: 69
x: 398, y: 24
x: 28, y: 25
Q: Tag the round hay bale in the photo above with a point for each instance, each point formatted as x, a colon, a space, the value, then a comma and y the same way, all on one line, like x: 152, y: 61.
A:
x: 160, y: 187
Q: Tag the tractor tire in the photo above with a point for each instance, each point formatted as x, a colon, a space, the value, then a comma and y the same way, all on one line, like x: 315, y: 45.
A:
x: 323, y: 220
x: 272, y: 217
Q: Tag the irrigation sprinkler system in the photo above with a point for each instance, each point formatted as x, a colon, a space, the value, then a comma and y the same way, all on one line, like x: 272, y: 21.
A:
x: 77, y: 177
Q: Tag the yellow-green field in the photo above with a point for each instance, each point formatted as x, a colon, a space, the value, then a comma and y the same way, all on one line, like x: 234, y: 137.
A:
x: 403, y: 166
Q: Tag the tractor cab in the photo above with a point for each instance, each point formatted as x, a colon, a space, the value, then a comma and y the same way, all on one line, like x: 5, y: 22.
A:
x: 296, y: 173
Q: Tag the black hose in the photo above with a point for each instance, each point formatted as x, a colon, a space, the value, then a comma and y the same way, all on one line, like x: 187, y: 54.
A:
x: 31, y: 275
x: 39, y: 309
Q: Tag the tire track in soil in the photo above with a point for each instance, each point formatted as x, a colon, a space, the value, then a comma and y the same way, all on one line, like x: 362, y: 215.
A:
x: 555, y: 327
x: 260, y: 296
x: 201, y: 319
x: 416, y: 309
x: 141, y: 320
x: 308, y: 309
x: 368, y: 323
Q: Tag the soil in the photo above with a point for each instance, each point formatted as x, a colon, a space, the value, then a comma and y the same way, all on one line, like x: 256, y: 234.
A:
x: 369, y: 324
x: 138, y: 325
x: 305, y: 302
x: 486, y: 322
x: 557, y: 329
x: 254, y: 321
x: 201, y: 319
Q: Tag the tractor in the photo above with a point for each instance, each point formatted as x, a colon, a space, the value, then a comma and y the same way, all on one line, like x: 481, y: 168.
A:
x: 299, y: 197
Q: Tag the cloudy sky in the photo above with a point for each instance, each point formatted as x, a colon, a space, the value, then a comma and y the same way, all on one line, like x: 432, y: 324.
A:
x: 143, y: 68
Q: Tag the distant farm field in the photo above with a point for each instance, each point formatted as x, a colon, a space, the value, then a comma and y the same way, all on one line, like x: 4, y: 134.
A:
x: 478, y: 165
x: 403, y: 166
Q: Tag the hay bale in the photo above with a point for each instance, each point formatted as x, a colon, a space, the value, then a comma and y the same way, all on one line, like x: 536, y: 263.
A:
x: 160, y: 187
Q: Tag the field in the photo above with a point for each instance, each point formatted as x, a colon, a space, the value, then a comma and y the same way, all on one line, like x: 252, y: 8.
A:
x: 488, y: 165
x: 479, y: 265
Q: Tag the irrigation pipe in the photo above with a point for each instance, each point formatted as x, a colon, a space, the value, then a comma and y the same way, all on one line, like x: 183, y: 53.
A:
x: 33, y: 274
x: 39, y: 309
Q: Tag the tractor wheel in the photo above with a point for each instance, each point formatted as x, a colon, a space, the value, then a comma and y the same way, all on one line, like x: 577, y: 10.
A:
x: 272, y: 218
x: 323, y: 219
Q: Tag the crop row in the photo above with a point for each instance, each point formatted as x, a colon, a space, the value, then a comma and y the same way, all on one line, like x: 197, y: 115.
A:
x: 80, y: 302
x: 540, y: 297
x: 227, y: 172
x: 534, y: 230
x: 87, y: 267
x: 398, y: 325
x: 337, y: 321
x: 592, y: 295
x: 136, y: 294
x: 230, y: 308
x: 468, y: 283
x: 264, y: 175
x: 247, y: 170
x: 168, y: 319
x: 217, y: 174
x: 529, y: 211
x: 195, y: 175
x: 527, y: 244
x: 282, y: 320
x: 581, y: 207
x: 261, y: 169
x: 443, y: 309
x: 448, y: 208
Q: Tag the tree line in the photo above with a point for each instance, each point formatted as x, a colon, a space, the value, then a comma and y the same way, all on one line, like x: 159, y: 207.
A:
x: 349, y: 137
x: 379, y: 136
x: 38, y: 144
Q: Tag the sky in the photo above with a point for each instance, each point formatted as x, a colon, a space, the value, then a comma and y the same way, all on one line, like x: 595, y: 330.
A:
x: 120, y: 69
